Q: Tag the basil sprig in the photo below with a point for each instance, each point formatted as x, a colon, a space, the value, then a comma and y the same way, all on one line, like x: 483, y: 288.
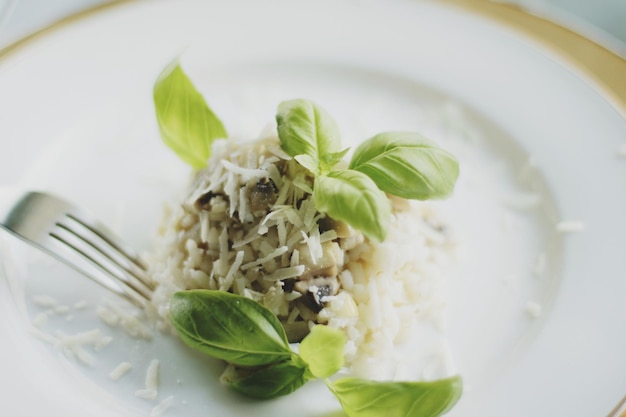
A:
x: 363, y: 398
x: 322, y: 350
x: 273, y: 381
x: 309, y: 133
x: 352, y: 197
x: 187, y: 124
x: 229, y: 327
x: 407, y: 165
x: 244, y: 333
x: 403, y: 164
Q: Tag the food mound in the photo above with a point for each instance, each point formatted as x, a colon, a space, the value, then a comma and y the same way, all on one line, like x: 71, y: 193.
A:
x: 249, y: 225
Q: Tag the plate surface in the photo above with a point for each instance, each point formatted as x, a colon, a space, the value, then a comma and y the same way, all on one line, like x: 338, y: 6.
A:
x: 538, y: 145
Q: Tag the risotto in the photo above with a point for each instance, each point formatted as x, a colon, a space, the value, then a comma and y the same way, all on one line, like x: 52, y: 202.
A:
x: 249, y: 225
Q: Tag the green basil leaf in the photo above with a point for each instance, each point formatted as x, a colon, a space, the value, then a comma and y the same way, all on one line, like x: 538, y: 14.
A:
x: 307, y: 161
x: 407, y: 165
x: 187, y: 124
x: 329, y: 160
x: 273, y: 381
x: 322, y: 350
x: 352, y: 197
x: 364, y: 398
x: 304, y: 128
x: 229, y: 327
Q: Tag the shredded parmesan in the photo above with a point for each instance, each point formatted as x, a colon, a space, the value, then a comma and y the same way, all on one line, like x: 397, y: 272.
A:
x: 126, y: 318
x: 152, y: 375
x: 74, y: 345
x: 161, y: 407
x: 45, y: 301
x: 151, y: 389
x: 147, y: 394
x: 120, y: 370
x: 278, y: 252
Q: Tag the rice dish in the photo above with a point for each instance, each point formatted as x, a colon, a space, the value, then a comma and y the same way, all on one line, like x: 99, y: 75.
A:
x: 248, y: 225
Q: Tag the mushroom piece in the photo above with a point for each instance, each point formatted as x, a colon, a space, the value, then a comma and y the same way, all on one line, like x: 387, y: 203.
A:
x: 204, y: 201
x: 327, y: 223
x: 315, y: 291
x: 296, y: 331
x: 207, y: 201
x: 262, y: 195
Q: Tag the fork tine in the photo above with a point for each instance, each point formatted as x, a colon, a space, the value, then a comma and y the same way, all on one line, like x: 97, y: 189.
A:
x: 123, y: 257
x: 93, y: 242
x: 100, y: 230
x: 69, y: 248
x: 100, y: 259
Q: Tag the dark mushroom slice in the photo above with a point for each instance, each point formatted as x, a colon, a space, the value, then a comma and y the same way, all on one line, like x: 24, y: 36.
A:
x: 262, y: 195
x: 296, y: 331
x: 315, y: 291
x: 205, y: 201
x: 327, y: 223
x: 320, y: 293
x: 216, y: 204
x: 289, y: 284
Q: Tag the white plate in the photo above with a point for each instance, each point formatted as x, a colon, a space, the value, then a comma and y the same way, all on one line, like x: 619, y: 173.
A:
x: 77, y: 119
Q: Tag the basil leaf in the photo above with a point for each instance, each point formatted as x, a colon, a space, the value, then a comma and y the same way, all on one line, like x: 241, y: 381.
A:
x: 407, y: 165
x: 307, y: 161
x: 328, y: 161
x: 274, y: 381
x: 363, y: 398
x: 229, y: 327
x: 304, y: 128
x: 352, y: 197
x: 322, y: 350
x: 187, y: 124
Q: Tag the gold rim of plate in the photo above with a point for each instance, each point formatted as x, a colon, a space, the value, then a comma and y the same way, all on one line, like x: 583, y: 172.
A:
x: 605, y: 68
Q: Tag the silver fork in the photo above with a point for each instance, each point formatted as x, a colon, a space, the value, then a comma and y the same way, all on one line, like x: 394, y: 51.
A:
x: 75, y: 238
